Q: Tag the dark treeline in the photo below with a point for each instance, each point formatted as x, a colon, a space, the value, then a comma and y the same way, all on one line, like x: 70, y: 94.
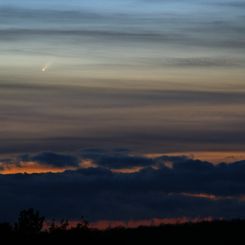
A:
x: 30, y: 228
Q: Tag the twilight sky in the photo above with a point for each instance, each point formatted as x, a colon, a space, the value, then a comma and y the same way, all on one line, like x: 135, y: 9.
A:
x: 116, y: 92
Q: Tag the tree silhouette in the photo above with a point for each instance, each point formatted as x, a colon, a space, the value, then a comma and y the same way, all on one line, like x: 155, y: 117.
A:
x: 83, y: 224
x: 29, y: 226
x: 29, y: 222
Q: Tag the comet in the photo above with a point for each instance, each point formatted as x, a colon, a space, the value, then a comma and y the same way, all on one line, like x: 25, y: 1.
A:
x: 44, y: 68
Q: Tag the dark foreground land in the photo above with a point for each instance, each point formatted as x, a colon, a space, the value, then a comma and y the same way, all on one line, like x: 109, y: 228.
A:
x: 29, y: 230
x: 203, y: 233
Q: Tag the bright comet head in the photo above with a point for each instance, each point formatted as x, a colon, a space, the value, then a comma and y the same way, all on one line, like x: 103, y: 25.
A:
x: 44, y: 68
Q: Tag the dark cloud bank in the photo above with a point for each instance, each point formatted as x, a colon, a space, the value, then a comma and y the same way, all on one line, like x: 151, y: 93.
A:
x: 166, y: 187
x: 52, y: 159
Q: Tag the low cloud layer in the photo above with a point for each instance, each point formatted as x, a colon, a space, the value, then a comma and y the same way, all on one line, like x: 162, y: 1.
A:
x: 165, y: 187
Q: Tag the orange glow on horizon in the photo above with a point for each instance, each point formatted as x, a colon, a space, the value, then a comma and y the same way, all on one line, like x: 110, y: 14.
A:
x: 106, y: 224
x: 214, y: 157
x: 32, y: 168
x: 202, y: 195
x: 127, y: 170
